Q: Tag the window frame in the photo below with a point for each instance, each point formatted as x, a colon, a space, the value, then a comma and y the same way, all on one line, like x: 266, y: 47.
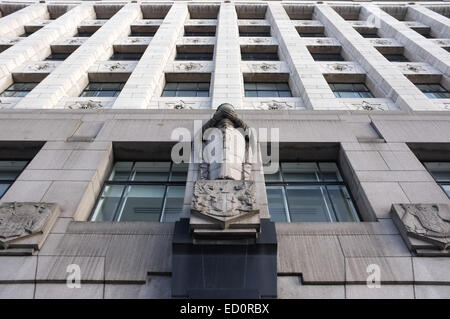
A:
x: 440, y: 183
x: 433, y: 93
x: 10, y: 182
x: 116, y: 92
x: 321, y: 183
x: 128, y: 183
x: 8, y: 89
x: 178, y: 90
x: 247, y: 91
x: 337, y: 93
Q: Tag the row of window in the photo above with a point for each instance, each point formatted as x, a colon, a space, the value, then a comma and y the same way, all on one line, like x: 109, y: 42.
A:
x: 154, y: 191
x: 201, y: 89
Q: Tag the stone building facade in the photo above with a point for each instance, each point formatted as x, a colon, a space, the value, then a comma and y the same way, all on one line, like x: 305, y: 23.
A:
x: 91, y: 90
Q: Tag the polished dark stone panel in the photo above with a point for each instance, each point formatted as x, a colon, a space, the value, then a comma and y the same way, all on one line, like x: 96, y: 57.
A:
x: 225, y: 269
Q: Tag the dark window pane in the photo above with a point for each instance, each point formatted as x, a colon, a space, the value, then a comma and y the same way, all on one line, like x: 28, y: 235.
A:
x: 108, y: 202
x: 330, y: 172
x: 173, y: 203
x: 268, y: 94
x: 342, y: 204
x: 179, y: 172
x: 142, y: 203
x: 276, y: 199
x: 121, y: 171
x: 186, y: 89
x: 300, y: 172
x: 3, y: 188
x: 10, y: 170
x: 312, y: 35
x: 194, y: 56
x: 309, y: 204
x: 150, y: 171
x: 439, y: 170
x: 327, y: 57
x: 396, y: 57
x: 259, y: 56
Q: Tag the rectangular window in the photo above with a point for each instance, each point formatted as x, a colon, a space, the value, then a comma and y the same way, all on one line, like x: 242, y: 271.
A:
x: 126, y: 56
x: 186, y: 89
x: 309, y: 192
x: 370, y: 35
x: 351, y: 90
x: 19, y: 89
x: 142, y: 191
x: 434, y: 91
x: 255, y: 56
x: 441, y: 174
x: 84, y: 34
x: 396, y: 57
x: 103, y: 89
x: 9, y: 171
x: 194, y: 56
x: 312, y: 34
x: 57, y: 56
x: 327, y: 57
x: 142, y: 33
x: 267, y: 89
x: 254, y: 33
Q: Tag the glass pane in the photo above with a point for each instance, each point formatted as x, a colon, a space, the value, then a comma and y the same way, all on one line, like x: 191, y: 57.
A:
x: 366, y: 94
x: 266, y: 86
x: 187, y: 86
x: 360, y: 87
x: 250, y: 86
x: 142, y: 203
x: 203, y: 86
x: 251, y: 94
x: 300, y: 172
x: 439, y: 170
x: 349, y: 95
x: 284, y: 93
x: 171, y: 86
x: 179, y: 172
x: 283, y: 86
x: 174, y: 203
x: 342, y: 204
x: 446, y: 189
x: 276, y: 199
x: 272, y: 177
x: 151, y: 171
x: 309, y: 204
x: 107, y: 204
x: 10, y: 170
x: 168, y: 93
x: 330, y: 172
x: 186, y: 93
x: 267, y: 93
x: 203, y: 93
x: 341, y: 87
x: 121, y: 171
x: 3, y: 188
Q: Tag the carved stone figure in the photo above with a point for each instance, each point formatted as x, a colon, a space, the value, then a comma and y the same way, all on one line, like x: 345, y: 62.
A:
x: 427, y: 222
x: 224, y: 194
x: 20, y: 220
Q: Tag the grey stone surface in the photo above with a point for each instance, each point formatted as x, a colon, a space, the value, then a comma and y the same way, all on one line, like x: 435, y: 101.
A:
x: 384, y: 292
x: 62, y: 291
x: 431, y: 270
x: 432, y: 292
x: 290, y: 287
x: 393, y: 270
x: 157, y: 287
x: 55, y: 268
x: 373, y: 246
x: 18, y: 269
x: 318, y: 259
x: 16, y: 291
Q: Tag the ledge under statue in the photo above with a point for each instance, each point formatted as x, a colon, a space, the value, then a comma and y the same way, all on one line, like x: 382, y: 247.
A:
x: 225, y: 249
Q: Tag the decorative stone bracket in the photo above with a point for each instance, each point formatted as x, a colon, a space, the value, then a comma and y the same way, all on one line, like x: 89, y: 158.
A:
x: 424, y: 227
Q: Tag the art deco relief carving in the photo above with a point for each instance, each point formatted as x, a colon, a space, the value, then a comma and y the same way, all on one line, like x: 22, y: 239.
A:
x: 224, y: 194
x: 86, y: 105
x: 427, y: 223
x: 22, y: 220
x: 275, y: 105
x: 40, y: 66
x: 190, y: 66
x: 263, y: 67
